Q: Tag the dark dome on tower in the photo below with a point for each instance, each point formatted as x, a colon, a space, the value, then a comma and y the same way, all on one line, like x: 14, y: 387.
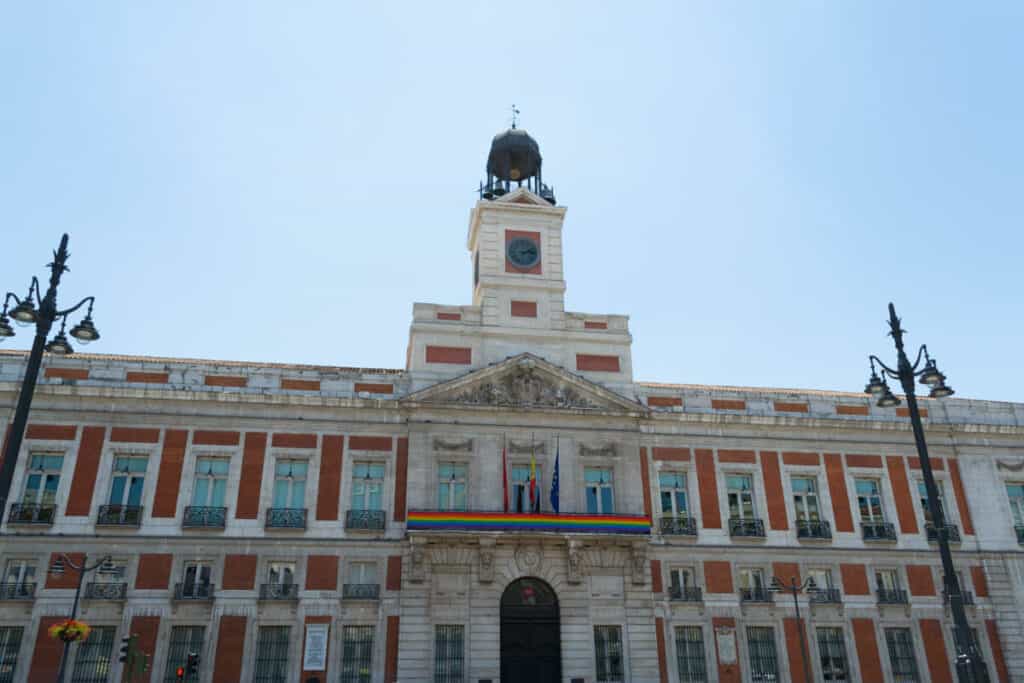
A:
x: 514, y: 158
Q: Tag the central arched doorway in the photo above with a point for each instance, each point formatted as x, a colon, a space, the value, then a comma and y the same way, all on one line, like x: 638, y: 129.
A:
x: 531, y: 641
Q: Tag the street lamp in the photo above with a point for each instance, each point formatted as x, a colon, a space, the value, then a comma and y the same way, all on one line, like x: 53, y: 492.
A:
x: 41, y: 312
x: 969, y: 666
x: 795, y: 587
x: 58, y: 568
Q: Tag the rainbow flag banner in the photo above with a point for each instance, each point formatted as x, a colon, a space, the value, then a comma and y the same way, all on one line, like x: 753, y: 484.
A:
x: 420, y: 520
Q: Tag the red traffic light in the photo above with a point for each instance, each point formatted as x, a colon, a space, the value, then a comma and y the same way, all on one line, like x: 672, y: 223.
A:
x: 180, y: 672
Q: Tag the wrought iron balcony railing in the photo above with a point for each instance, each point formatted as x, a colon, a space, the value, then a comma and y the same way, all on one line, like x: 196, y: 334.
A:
x: 25, y: 590
x: 813, y: 529
x: 968, y: 597
x: 825, y: 596
x: 878, y: 531
x: 678, y: 526
x: 1020, y: 533
x: 286, y: 518
x: 279, y: 591
x: 106, y: 591
x: 204, y: 517
x: 32, y: 513
x: 685, y: 593
x: 756, y: 595
x: 364, y: 520
x: 199, y: 592
x: 360, y: 591
x: 119, y: 515
x: 952, y: 531
x: 892, y: 596
x: 741, y: 527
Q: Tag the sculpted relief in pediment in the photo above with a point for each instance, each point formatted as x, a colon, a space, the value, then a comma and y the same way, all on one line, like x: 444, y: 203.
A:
x: 524, y: 386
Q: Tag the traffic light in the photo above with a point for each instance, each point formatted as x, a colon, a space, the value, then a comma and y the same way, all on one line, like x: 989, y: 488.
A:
x: 180, y: 673
x: 193, y: 663
x: 128, y: 648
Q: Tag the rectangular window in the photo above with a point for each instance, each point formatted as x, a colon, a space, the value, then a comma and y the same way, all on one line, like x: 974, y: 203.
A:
x: 451, y: 486
x: 740, y: 494
x: 449, y: 654
x: 92, y: 663
x: 211, y: 483
x: 196, y: 583
x: 764, y: 666
x: 43, y: 478
x: 922, y: 493
x: 10, y: 643
x: 272, y: 655
x: 598, y: 482
x: 869, y: 500
x: 18, y: 573
x: 674, y: 501
x: 357, y: 654
x: 887, y: 579
x: 367, y: 486
x: 752, y: 579
x: 521, y: 487
x: 127, y: 481
x: 901, y: 655
x: 690, y: 654
x: 822, y: 578
x: 832, y: 652
x: 362, y: 572
x: 805, y: 499
x: 1016, y: 494
x: 608, y: 653
x: 682, y: 577
x: 184, y: 640
x: 290, y: 484
x: 281, y: 573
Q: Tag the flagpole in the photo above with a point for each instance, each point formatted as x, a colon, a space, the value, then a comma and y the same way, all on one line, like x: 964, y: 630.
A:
x: 504, y: 471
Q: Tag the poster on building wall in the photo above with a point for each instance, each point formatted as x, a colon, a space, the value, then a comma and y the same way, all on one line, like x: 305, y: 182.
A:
x: 726, y: 638
x: 315, y: 658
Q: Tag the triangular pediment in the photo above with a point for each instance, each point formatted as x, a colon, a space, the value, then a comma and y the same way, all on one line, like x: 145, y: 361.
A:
x: 521, y: 195
x: 525, y: 382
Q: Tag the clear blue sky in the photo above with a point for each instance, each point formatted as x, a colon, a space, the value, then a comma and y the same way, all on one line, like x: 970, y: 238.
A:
x: 750, y: 182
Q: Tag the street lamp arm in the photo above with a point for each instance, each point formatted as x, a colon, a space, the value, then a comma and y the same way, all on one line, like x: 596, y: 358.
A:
x: 68, y: 311
x: 35, y: 286
x: 885, y: 368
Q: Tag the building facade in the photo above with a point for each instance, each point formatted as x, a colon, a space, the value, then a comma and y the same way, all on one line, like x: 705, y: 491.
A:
x: 288, y: 522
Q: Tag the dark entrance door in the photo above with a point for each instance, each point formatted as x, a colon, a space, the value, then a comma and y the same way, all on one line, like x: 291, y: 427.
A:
x: 531, y: 643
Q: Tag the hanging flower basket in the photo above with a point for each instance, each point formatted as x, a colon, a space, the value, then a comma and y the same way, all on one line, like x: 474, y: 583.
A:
x: 70, y: 631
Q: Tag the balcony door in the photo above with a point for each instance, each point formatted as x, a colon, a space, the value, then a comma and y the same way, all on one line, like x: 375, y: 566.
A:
x: 531, y: 646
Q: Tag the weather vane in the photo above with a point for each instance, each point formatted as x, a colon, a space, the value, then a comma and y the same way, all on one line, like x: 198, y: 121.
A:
x: 515, y: 116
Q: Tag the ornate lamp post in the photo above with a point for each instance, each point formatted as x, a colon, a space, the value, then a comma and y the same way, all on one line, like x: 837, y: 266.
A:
x: 41, y: 312
x: 969, y: 666
x: 60, y: 565
x: 795, y: 587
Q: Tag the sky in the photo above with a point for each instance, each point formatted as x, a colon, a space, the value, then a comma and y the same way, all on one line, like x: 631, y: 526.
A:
x: 751, y: 182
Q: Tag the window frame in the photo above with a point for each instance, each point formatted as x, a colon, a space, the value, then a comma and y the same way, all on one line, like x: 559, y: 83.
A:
x: 689, y: 675
x: 1016, y: 510
x: 877, y: 482
x: 293, y: 486
x: 370, y: 466
x: 451, y: 485
x: 674, y: 492
x: 910, y: 645
x: 441, y: 634
x: 800, y: 500
x: 130, y: 475
x: 211, y: 478
x: 608, y: 657
x: 773, y: 641
x: 600, y: 487
x: 740, y: 493
x: 44, y: 473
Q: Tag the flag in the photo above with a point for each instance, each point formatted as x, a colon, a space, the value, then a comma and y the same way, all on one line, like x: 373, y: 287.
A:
x: 504, y: 476
x: 533, y: 483
x: 554, y: 482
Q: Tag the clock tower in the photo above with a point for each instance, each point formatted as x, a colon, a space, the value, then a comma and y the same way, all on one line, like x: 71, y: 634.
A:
x: 518, y: 297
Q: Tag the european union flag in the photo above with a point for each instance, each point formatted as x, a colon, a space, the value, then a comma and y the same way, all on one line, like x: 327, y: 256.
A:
x: 554, y: 484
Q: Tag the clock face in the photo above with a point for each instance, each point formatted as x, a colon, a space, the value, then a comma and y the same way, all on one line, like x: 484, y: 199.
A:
x: 523, y: 252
